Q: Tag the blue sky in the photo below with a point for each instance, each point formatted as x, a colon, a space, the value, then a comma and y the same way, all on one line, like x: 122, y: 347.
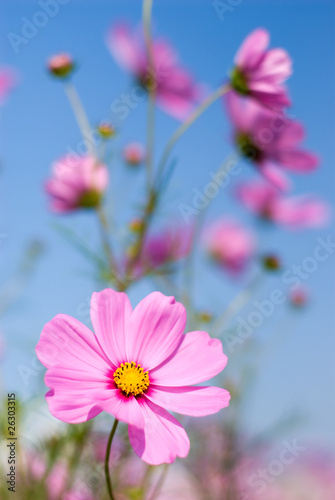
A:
x: 37, y: 126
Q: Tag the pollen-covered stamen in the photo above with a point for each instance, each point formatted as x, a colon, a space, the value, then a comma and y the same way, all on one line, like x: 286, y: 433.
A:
x: 131, y: 379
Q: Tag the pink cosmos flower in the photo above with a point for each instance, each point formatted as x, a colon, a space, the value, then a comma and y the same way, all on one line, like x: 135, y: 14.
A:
x: 137, y: 366
x: 134, y: 154
x: 296, y: 212
x: 271, y: 141
x: 56, y: 480
x: 7, y: 82
x: 76, y: 182
x: 259, y: 73
x: 230, y: 245
x: 164, y: 247
x: 176, y: 91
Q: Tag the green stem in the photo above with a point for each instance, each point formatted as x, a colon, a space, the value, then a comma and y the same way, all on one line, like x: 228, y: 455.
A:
x: 108, y: 451
x: 151, y: 76
x: 187, y: 124
x: 80, y: 114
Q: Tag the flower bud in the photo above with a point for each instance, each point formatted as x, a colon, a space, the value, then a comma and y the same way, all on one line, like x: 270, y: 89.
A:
x: 271, y: 263
x: 61, y: 65
x: 133, y: 154
x: 299, y: 297
x: 106, y: 130
x: 136, y: 225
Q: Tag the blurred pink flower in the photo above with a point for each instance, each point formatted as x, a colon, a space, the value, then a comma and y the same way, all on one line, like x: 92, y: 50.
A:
x: 165, y: 247
x: 299, y: 296
x: 133, y: 154
x: 176, y: 91
x: 8, y: 80
x: 56, y: 480
x: 259, y: 73
x: 137, y: 366
x: 301, y: 481
x: 270, y: 140
x: 296, y: 212
x: 76, y: 182
x: 230, y: 244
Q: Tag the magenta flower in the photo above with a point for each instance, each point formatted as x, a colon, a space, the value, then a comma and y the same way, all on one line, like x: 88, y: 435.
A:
x: 271, y: 141
x: 76, y: 182
x: 176, y: 91
x: 7, y: 82
x: 137, y: 366
x: 230, y: 245
x: 296, y: 212
x: 259, y: 73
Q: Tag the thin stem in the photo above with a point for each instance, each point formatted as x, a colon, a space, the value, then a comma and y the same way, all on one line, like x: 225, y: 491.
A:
x: 105, y: 238
x: 80, y: 114
x: 151, y: 86
x: 108, y: 451
x: 238, y: 302
x: 187, y: 124
x: 160, y: 481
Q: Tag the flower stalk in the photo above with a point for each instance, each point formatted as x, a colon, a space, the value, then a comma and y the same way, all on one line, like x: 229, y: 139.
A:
x: 108, y: 451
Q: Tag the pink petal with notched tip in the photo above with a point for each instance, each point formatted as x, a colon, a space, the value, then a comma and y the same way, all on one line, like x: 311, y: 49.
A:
x: 242, y: 111
x: 126, y: 49
x: 66, y: 341
x: 110, y: 316
x: 162, y: 439
x: 275, y: 68
x: 297, y: 160
x: 274, y: 175
x: 289, y: 133
x: 155, y: 330
x: 301, y: 212
x: 76, y: 365
x: 257, y: 196
x: 198, y: 359
x: 252, y: 49
x: 73, y: 409
x: 193, y: 401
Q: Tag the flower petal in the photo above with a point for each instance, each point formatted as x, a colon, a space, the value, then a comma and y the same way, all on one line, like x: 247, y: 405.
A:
x: 71, y: 397
x: 66, y: 341
x: 252, y: 49
x: 193, y: 401
x: 162, y: 439
x: 155, y: 330
x: 110, y: 313
x: 298, y: 161
x: 274, y: 175
x: 125, y: 48
x: 198, y: 358
x: 73, y: 410
x: 126, y: 409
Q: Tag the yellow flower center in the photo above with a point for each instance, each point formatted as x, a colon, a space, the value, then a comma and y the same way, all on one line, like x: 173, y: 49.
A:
x: 131, y: 379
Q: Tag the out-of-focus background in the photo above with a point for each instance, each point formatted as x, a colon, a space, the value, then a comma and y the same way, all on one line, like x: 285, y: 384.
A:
x: 296, y: 373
